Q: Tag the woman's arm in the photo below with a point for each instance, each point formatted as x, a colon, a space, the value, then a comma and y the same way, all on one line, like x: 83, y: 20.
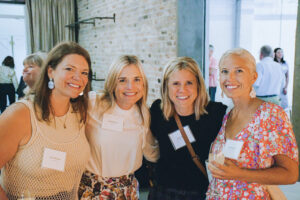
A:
x: 284, y: 171
x: 151, y: 149
x: 15, y: 130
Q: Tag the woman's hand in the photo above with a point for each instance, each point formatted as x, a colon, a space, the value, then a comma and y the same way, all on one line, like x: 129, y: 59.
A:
x: 227, y: 171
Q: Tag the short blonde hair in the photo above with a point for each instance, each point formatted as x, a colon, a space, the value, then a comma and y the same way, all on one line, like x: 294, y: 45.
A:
x: 241, y: 53
x: 108, y: 98
x: 183, y: 63
x: 37, y: 58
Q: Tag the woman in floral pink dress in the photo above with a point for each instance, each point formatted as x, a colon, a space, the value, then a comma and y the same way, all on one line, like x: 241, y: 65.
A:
x: 269, y: 153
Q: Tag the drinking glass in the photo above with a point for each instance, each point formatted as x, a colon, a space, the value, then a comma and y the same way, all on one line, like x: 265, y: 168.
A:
x: 215, y: 154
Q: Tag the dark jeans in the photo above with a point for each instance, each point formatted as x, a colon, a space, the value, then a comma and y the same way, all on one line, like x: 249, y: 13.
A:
x: 162, y: 193
x: 6, y: 89
x: 212, y: 93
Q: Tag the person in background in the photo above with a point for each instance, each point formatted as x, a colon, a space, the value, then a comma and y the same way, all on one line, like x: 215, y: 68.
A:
x: 213, y: 73
x: 8, y: 82
x: 270, y: 78
x: 118, y: 132
x: 278, y: 57
x: 184, y: 93
x: 259, y: 130
x: 20, y: 89
x: 32, y: 69
x: 43, y: 147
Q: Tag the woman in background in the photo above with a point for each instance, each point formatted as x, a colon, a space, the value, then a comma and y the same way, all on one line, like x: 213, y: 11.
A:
x: 8, y: 82
x: 43, y: 148
x: 278, y: 57
x: 259, y: 130
x: 31, y: 72
x: 118, y: 132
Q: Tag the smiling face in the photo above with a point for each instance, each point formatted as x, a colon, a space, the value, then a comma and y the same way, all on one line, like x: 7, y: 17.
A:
x: 183, y: 90
x: 31, y: 73
x: 130, y: 87
x: 70, y: 76
x: 236, y: 77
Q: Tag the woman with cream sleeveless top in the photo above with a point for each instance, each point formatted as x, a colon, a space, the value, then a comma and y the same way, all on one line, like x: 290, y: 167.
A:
x: 43, y: 148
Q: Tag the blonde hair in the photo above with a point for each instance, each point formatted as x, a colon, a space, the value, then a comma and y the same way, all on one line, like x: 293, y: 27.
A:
x: 108, y: 99
x: 37, y: 58
x: 183, y: 63
x: 241, y: 53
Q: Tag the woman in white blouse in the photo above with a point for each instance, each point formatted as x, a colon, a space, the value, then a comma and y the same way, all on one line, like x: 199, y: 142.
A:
x: 8, y: 82
x: 118, y: 132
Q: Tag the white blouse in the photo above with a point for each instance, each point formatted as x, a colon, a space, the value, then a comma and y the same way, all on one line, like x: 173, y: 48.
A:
x: 8, y: 75
x: 117, y: 140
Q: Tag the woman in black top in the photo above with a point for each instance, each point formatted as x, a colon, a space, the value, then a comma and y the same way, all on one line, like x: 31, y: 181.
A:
x: 183, y: 91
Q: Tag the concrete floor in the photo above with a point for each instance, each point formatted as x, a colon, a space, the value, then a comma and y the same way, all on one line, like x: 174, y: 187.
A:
x: 292, y: 192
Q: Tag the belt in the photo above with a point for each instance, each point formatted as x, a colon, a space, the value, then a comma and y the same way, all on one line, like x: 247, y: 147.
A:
x: 266, y: 96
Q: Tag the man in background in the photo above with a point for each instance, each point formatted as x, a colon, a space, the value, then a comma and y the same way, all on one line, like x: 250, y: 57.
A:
x: 270, y: 77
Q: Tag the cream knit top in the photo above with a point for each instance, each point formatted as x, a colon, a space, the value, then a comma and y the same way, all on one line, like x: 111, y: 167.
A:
x: 25, y: 172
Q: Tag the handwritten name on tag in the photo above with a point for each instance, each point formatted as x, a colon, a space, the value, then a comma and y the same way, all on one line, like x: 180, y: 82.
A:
x: 233, y: 149
x: 53, y: 159
x: 177, y: 139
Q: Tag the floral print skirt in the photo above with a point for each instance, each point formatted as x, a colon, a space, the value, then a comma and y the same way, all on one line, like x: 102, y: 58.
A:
x: 94, y: 187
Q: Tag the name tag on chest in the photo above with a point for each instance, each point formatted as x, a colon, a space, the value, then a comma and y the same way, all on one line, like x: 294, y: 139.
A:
x: 177, y: 139
x: 53, y: 159
x: 233, y: 149
x: 112, y: 122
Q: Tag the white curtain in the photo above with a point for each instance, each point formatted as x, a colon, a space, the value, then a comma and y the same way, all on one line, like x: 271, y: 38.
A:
x: 46, y: 23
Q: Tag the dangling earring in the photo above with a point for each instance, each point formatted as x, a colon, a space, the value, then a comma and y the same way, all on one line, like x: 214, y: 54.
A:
x: 50, y: 84
x: 252, y: 93
x: 222, y: 94
x: 81, y: 93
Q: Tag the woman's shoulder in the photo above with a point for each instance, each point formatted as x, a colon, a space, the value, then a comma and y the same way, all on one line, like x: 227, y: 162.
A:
x: 17, y: 115
x: 156, y: 105
x: 216, y: 107
x: 272, y: 109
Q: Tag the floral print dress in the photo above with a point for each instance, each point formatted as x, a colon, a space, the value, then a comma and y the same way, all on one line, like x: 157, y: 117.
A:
x: 268, y: 134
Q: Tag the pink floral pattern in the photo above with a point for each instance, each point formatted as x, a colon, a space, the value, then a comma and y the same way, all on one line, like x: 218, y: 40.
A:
x: 268, y: 134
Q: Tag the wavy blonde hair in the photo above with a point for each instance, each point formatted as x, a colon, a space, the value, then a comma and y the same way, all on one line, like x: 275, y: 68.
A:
x: 177, y: 64
x: 108, y: 99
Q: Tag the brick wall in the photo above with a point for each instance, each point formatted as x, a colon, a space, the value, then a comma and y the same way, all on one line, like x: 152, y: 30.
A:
x: 145, y: 28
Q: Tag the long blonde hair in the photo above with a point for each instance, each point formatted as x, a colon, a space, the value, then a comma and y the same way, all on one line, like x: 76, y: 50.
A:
x: 191, y: 65
x: 108, y: 99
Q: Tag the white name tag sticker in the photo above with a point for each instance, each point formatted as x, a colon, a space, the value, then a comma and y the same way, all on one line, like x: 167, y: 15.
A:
x: 54, y: 159
x: 177, y: 139
x: 232, y: 149
x: 112, y: 122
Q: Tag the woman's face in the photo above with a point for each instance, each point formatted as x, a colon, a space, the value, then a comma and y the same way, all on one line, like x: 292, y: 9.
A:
x: 279, y: 54
x: 70, y: 76
x: 130, y: 87
x: 183, y: 90
x: 236, y: 77
x: 31, y: 73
